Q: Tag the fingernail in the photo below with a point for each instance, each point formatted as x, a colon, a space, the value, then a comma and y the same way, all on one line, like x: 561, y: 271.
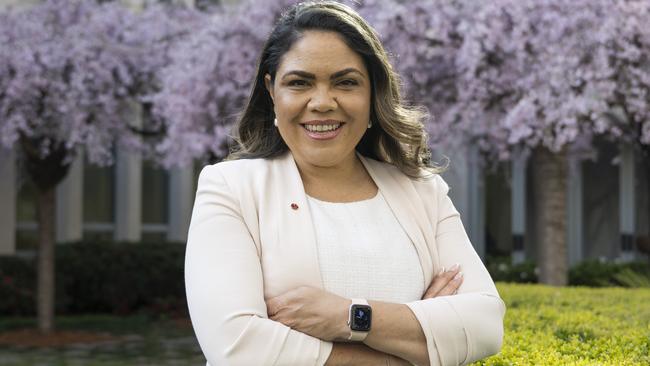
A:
x: 454, y: 267
x: 458, y: 276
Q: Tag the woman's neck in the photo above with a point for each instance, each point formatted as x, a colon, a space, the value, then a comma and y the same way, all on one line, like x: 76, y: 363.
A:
x: 345, y: 182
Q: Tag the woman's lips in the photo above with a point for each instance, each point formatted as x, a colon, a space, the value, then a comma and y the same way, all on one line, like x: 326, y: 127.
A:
x: 328, y: 135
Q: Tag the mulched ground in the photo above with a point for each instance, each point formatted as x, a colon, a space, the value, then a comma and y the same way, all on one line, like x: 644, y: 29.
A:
x: 33, y: 338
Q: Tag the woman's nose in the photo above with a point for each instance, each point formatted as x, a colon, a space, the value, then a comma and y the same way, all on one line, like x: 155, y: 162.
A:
x: 322, y: 101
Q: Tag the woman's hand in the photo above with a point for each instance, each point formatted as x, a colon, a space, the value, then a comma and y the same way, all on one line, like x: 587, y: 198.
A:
x: 312, y: 311
x: 444, y: 284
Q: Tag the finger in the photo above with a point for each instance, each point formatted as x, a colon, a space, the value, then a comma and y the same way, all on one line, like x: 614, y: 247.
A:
x: 452, y: 286
x: 430, y: 292
x: 273, y: 305
x: 441, y: 280
x: 450, y: 289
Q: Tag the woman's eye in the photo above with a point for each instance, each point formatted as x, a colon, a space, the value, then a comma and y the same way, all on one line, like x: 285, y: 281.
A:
x: 349, y: 82
x: 297, y: 83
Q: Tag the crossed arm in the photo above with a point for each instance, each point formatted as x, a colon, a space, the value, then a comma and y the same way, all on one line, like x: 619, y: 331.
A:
x: 396, y: 337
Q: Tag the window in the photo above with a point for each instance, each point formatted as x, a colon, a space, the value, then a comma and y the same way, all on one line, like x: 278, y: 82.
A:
x: 98, y: 202
x: 155, y: 205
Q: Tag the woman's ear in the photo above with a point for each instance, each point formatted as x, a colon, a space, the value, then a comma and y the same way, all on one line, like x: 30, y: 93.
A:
x: 269, y: 85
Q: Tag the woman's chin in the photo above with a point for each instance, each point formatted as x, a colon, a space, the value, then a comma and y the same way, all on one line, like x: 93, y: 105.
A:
x: 325, y: 157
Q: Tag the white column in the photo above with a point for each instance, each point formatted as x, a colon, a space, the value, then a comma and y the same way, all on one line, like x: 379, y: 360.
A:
x: 69, y: 203
x: 128, y: 186
x: 181, y: 182
x: 574, y: 211
x: 627, y: 208
x: 17, y: 4
x: 136, y: 5
x: 8, y: 198
x: 518, y: 212
x: 476, y: 201
x: 456, y: 176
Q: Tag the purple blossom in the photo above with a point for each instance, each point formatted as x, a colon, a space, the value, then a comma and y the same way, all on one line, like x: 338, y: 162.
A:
x: 504, y: 74
x: 71, y: 70
x: 550, y: 72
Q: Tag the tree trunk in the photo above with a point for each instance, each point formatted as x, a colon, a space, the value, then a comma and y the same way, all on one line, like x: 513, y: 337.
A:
x: 46, y: 172
x: 550, y: 188
x: 46, y: 280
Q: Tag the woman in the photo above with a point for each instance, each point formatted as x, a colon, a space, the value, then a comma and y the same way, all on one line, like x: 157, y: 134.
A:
x: 323, y: 239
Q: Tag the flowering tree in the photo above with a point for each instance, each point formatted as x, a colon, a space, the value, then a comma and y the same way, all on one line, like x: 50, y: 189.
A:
x: 209, y: 79
x: 68, y: 71
x: 423, y: 38
x: 549, y: 76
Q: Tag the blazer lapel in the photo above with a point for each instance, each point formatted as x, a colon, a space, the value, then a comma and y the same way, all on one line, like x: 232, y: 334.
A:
x: 400, y: 196
x: 295, y: 232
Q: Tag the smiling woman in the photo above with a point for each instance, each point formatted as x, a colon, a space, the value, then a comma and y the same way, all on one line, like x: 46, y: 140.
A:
x: 322, y: 105
x: 326, y: 238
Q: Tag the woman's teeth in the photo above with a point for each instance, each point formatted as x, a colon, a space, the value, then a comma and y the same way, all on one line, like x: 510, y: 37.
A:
x: 322, y: 128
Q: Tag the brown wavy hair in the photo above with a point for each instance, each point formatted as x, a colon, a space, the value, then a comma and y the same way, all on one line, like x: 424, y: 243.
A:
x: 398, y: 136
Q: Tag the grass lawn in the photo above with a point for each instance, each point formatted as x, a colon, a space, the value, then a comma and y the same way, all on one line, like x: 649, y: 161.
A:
x: 544, y: 326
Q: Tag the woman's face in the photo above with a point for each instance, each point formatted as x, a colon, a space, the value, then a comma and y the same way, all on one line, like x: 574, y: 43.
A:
x: 321, y: 96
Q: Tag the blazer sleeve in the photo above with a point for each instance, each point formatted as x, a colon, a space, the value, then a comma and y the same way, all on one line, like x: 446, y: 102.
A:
x: 224, y: 288
x: 468, y: 326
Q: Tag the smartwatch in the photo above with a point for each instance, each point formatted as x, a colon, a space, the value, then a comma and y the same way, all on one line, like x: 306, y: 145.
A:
x: 360, y: 319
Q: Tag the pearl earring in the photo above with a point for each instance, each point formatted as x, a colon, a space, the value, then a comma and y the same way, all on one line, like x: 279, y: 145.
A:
x: 369, y: 124
x: 275, y: 122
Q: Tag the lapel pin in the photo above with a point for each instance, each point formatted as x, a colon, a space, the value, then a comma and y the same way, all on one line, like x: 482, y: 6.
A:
x: 294, y: 206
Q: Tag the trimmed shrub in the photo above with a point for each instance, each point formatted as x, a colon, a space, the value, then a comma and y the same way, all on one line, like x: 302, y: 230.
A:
x: 117, y: 278
x: 17, y: 286
x: 592, y: 273
x: 596, y: 273
x: 501, y: 269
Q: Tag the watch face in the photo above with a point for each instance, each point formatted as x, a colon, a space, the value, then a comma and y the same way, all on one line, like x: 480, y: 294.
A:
x: 361, y: 318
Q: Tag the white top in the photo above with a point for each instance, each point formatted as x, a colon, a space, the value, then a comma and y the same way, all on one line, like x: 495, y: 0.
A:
x: 363, y: 251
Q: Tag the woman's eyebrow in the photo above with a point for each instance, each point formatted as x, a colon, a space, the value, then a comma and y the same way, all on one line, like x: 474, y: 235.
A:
x: 308, y: 75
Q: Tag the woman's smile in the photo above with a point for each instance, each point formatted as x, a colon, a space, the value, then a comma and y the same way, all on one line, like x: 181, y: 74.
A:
x: 323, y: 130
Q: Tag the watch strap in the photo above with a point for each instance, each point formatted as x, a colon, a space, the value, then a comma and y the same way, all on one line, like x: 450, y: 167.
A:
x: 355, y: 335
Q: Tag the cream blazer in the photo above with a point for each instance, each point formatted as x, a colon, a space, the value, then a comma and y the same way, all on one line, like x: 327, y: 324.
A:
x: 246, y: 243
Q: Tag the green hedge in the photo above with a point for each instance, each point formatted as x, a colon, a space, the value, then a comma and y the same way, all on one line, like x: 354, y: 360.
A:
x: 547, y: 325
x: 501, y: 269
x: 17, y: 286
x: 602, y: 274
x: 592, y: 273
x: 118, y: 278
